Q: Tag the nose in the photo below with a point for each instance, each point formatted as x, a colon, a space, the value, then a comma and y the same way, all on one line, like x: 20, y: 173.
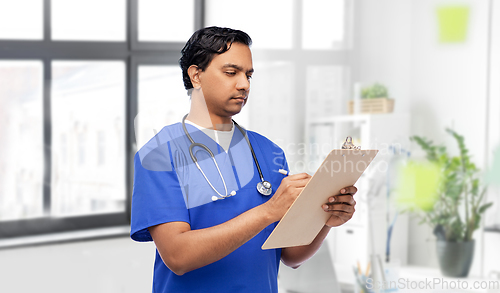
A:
x: 243, y: 83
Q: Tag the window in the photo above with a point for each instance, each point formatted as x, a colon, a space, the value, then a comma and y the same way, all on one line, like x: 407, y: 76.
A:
x: 77, y: 78
x: 324, y: 24
x: 70, y: 20
x: 88, y: 105
x: 301, y: 54
x: 269, y: 28
x: 74, y: 75
x: 162, y: 100
x: 19, y: 23
x: 159, y: 20
x: 21, y: 150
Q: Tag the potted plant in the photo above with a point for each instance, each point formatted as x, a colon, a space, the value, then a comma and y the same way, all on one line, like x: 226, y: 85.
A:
x: 457, y: 210
x: 377, y: 90
x: 374, y: 99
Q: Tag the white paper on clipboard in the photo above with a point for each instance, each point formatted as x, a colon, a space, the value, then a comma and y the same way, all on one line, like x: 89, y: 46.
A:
x: 305, y: 218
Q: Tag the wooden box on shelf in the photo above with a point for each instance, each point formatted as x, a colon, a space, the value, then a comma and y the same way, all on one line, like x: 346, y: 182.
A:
x: 372, y: 106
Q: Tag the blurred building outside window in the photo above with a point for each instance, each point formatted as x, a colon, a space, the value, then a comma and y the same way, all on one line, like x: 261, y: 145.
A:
x: 88, y: 106
x: 67, y: 105
x: 21, y: 129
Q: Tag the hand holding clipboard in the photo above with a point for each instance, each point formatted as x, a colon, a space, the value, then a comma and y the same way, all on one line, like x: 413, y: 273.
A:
x: 340, y: 206
x: 305, y: 218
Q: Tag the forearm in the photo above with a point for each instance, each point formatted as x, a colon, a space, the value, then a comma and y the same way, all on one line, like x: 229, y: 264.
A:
x: 193, y: 249
x: 295, y: 256
x: 184, y: 250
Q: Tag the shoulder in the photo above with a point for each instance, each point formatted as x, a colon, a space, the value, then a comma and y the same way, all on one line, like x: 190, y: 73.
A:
x: 164, y: 136
x: 156, y: 154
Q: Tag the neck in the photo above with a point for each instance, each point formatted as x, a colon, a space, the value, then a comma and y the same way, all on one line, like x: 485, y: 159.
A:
x: 199, y: 114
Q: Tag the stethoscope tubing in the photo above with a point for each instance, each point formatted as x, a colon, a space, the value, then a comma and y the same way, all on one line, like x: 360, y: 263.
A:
x: 251, y: 150
x: 267, y: 190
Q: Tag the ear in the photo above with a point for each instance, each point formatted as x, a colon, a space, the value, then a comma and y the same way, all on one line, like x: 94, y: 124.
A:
x: 194, y: 73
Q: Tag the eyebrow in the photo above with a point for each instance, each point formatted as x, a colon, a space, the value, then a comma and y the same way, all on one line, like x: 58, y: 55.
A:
x: 230, y: 65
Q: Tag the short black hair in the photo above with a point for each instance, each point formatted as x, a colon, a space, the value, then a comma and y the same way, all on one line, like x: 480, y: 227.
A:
x: 204, y: 44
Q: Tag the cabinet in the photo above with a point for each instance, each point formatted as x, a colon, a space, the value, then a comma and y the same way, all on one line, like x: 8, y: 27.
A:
x: 366, y: 233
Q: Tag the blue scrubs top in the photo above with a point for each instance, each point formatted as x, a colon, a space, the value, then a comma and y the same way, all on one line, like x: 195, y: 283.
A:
x: 168, y: 187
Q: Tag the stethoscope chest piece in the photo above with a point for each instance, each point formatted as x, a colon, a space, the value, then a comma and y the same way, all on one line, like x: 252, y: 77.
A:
x: 264, y: 188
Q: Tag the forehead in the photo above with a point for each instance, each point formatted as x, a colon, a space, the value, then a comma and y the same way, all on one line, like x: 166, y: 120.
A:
x: 238, y: 54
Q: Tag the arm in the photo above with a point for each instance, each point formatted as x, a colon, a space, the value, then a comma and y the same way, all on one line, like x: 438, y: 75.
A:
x: 341, y: 207
x: 183, y: 249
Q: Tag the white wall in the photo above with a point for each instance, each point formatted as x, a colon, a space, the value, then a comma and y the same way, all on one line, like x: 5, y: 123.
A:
x: 442, y: 85
x: 449, y: 90
x: 449, y: 80
x: 116, y: 265
x: 384, y: 47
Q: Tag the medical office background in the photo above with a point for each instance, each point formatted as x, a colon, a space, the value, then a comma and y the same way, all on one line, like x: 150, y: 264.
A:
x: 84, y: 83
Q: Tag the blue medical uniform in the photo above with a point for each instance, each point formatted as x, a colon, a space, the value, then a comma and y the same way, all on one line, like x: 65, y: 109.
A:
x: 168, y: 187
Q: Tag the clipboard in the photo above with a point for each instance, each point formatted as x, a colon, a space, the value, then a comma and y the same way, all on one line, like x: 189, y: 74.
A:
x: 305, y: 217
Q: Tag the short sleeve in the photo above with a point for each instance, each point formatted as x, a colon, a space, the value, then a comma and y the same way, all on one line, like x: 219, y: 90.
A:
x: 279, y: 157
x: 157, y: 198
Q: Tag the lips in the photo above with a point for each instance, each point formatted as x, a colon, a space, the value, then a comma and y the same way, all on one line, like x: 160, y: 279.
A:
x: 240, y: 98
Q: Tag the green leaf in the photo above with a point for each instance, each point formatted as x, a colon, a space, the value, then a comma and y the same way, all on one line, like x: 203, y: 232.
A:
x: 377, y: 90
x: 459, y: 192
x: 484, y: 207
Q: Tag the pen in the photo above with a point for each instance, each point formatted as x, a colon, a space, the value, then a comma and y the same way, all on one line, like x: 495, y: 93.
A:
x: 283, y: 171
x: 367, y: 269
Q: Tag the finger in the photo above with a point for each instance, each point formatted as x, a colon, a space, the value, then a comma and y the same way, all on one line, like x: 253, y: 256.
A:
x: 338, y: 208
x: 303, y: 181
x: 298, y: 182
x: 341, y: 208
x: 345, y: 199
x: 332, y: 199
x: 349, y: 190
x: 343, y: 216
x: 298, y: 176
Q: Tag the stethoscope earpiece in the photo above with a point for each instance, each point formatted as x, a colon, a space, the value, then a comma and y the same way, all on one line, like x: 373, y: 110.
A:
x: 215, y: 198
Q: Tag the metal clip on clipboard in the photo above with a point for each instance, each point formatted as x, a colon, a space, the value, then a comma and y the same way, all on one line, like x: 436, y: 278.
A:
x: 348, y: 145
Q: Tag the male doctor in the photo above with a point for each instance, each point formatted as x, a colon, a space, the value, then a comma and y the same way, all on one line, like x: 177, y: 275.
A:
x: 207, y: 219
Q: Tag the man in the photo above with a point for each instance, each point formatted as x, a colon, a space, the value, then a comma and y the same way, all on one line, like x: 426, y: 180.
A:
x: 200, y: 204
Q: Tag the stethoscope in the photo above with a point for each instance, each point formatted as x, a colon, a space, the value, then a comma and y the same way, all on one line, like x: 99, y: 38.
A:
x: 264, y: 187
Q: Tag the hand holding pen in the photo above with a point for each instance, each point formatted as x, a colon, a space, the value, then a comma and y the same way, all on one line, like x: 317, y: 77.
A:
x: 289, y: 189
x: 341, y: 206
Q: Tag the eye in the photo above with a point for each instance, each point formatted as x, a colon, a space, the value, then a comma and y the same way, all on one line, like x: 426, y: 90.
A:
x: 249, y: 77
x: 230, y: 73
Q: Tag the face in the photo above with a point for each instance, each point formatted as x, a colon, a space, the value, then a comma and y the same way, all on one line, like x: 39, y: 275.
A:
x: 225, y: 83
